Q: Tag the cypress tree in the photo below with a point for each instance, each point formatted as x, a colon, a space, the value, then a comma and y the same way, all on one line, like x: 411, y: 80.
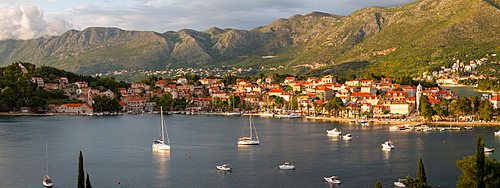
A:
x: 87, y: 182
x: 378, y: 184
x: 421, y: 177
x: 480, y: 162
x: 81, y: 174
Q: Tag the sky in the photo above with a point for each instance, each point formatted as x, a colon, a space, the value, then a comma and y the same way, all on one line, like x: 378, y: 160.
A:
x: 27, y: 19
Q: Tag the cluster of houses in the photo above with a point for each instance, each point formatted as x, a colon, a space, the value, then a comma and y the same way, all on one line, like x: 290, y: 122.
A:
x: 458, y: 71
x: 378, y: 98
x: 362, y: 96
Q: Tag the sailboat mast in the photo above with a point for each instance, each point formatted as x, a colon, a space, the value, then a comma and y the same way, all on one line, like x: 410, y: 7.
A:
x: 46, y: 159
x: 256, y: 134
x: 161, y: 118
x: 250, y: 117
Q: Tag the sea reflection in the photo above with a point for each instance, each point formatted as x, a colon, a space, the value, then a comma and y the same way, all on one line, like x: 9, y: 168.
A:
x: 386, y: 153
x: 161, y: 160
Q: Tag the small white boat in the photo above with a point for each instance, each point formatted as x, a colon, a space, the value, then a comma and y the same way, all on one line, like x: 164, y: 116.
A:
x: 332, y: 179
x: 334, y: 132
x: 250, y: 140
x: 287, y: 166
x: 399, y: 183
x: 160, y: 144
x: 387, y: 145
x: 364, y: 123
x: 232, y: 114
x: 497, y: 133
x: 468, y: 128
x: 224, y: 167
x: 489, y: 149
x: 293, y: 116
x: 347, y: 137
x: 394, y: 128
x: 427, y: 129
x: 266, y: 115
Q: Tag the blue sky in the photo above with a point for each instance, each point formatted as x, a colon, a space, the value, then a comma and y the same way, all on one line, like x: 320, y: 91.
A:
x: 34, y: 18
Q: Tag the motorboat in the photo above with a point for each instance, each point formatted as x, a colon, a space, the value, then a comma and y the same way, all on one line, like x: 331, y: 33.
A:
x: 224, y: 167
x: 334, y: 132
x: 497, y: 133
x: 294, y: 115
x: 266, y: 114
x: 347, y: 137
x: 332, y: 179
x: 364, y: 123
x: 287, y: 166
x: 47, y: 181
x: 160, y: 144
x: 489, y: 149
x: 468, y: 128
x: 250, y: 140
x: 394, y: 128
x: 399, y: 183
x: 387, y: 145
x: 232, y: 114
x: 427, y: 129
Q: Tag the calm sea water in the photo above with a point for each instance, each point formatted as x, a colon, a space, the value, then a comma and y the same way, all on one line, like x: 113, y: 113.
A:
x: 466, y: 91
x: 119, y: 149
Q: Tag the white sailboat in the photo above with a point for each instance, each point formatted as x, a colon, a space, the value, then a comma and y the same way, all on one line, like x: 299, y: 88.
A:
x: 160, y: 144
x: 250, y: 140
x: 47, y: 180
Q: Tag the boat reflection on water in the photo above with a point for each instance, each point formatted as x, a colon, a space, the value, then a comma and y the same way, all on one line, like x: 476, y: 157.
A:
x: 386, y: 153
x: 161, y: 160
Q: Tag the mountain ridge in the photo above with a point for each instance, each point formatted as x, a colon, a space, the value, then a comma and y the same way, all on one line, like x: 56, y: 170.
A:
x: 410, y: 39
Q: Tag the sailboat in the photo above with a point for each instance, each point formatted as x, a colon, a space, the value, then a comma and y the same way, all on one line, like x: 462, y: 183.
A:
x: 160, y: 144
x: 250, y: 140
x: 47, y: 180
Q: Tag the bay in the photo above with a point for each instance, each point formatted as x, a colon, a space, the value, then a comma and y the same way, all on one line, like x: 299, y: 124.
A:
x: 118, y: 149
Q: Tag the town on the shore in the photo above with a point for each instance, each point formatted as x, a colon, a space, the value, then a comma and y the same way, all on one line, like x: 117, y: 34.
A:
x: 415, y: 99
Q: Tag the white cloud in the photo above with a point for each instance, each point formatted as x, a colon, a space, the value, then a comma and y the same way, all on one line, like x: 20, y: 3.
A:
x: 27, y: 22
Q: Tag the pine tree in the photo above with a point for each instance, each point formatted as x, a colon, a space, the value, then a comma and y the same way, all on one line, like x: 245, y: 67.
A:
x: 87, y: 182
x: 378, y: 184
x: 480, y: 162
x: 421, y: 172
x: 81, y: 174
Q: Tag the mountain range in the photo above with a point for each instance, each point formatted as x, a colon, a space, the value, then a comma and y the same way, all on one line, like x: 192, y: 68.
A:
x: 407, y: 39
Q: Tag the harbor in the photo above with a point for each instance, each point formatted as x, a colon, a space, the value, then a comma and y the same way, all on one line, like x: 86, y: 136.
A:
x: 118, y: 148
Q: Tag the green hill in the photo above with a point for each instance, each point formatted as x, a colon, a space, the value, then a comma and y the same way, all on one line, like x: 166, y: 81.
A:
x: 408, y: 39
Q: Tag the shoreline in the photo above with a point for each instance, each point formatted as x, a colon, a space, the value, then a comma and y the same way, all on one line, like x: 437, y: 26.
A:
x: 382, y: 122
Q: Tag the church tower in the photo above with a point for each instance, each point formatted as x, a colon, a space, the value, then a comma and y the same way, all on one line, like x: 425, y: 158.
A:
x: 419, y: 93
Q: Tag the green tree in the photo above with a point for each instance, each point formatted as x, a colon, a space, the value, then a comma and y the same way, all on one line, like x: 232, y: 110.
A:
x: 485, y: 111
x: 425, y: 108
x: 378, y: 184
x: 334, y: 105
x: 420, y: 181
x: 279, y: 101
x: 81, y: 174
x: 478, y: 171
x: 421, y: 172
x: 106, y: 104
x: 87, y: 182
x: 460, y: 106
